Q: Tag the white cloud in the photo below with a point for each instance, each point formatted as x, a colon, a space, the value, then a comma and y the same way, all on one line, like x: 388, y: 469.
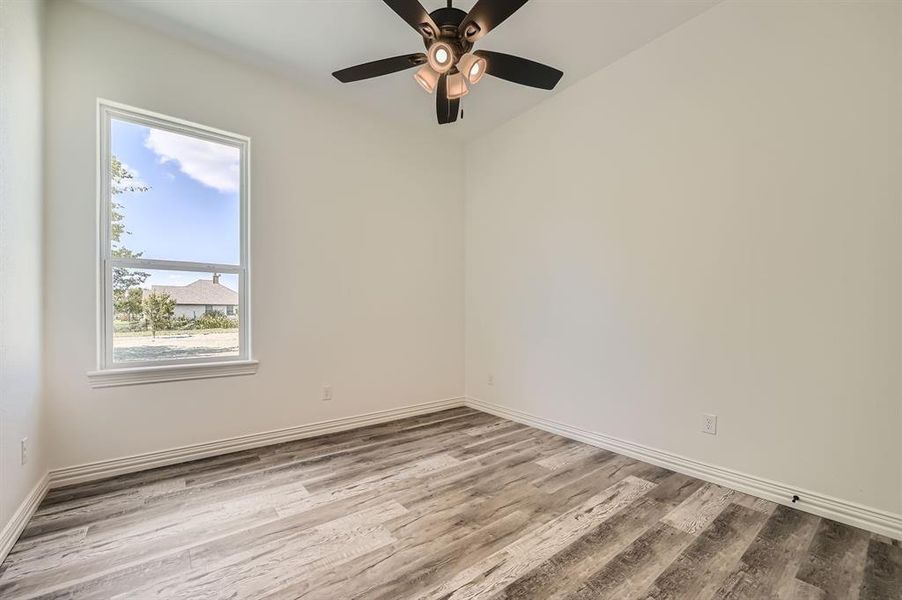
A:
x: 213, y: 165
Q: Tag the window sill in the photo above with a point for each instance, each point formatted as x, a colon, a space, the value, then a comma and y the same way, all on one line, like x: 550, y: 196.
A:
x: 143, y: 375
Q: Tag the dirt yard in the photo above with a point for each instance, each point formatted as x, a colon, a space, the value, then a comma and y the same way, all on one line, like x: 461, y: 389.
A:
x: 170, y: 345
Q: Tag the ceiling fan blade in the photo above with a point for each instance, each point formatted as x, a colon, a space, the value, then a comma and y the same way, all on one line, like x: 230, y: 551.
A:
x: 520, y: 70
x: 445, y: 109
x: 487, y: 15
x: 379, y: 67
x: 415, y: 15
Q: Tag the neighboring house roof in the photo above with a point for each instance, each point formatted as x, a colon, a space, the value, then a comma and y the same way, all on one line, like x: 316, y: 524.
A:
x: 202, y: 291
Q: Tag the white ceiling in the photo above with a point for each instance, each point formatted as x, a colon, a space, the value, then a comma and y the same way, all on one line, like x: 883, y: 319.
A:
x: 308, y: 39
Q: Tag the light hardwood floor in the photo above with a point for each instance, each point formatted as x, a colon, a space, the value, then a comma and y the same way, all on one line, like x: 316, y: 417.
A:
x: 456, y: 504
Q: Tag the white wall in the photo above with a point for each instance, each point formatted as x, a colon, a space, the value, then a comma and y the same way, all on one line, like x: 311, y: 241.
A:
x: 711, y: 225
x: 21, y: 24
x: 357, y: 257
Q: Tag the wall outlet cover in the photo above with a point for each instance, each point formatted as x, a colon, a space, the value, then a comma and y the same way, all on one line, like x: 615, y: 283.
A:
x: 709, y: 424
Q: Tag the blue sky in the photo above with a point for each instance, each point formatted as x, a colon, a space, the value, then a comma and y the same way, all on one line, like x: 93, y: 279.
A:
x: 191, y: 211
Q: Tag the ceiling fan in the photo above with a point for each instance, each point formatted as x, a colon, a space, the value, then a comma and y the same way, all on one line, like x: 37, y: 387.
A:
x: 449, y: 64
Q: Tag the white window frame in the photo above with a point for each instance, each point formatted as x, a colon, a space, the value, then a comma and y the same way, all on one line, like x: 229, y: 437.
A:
x: 109, y: 373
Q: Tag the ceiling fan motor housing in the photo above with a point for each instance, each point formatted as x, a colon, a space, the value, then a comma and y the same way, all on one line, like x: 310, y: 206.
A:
x: 448, y: 21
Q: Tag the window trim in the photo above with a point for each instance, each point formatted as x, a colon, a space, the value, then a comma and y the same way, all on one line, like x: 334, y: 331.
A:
x: 109, y: 372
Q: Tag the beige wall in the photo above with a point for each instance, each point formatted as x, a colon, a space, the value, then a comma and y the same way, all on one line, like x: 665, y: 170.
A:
x: 21, y: 32
x: 711, y: 225
x: 357, y: 257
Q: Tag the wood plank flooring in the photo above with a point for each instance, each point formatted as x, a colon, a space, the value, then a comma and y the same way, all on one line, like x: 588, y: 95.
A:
x: 452, y: 505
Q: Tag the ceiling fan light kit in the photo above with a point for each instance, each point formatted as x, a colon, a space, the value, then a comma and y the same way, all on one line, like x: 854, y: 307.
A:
x: 449, y: 34
x: 472, y: 66
x: 440, y: 56
x: 457, y: 86
x: 427, y: 77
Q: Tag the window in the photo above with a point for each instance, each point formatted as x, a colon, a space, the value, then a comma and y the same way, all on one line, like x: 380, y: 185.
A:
x: 173, y: 260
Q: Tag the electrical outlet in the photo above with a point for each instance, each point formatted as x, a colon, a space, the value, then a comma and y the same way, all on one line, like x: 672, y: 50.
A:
x: 327, y: 393
x: 709, y: 424
x: 23, y: 450
x: 491, y: 379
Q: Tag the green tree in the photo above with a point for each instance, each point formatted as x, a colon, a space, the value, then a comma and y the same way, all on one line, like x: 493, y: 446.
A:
x: 129, y: 302
x: 121, y: 181
x: 158, y: 310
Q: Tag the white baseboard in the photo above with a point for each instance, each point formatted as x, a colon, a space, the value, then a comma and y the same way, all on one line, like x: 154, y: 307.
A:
x: 850, y: 513
x: 13, y: 529
x: 871, y: 519
x: 150, y: 460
